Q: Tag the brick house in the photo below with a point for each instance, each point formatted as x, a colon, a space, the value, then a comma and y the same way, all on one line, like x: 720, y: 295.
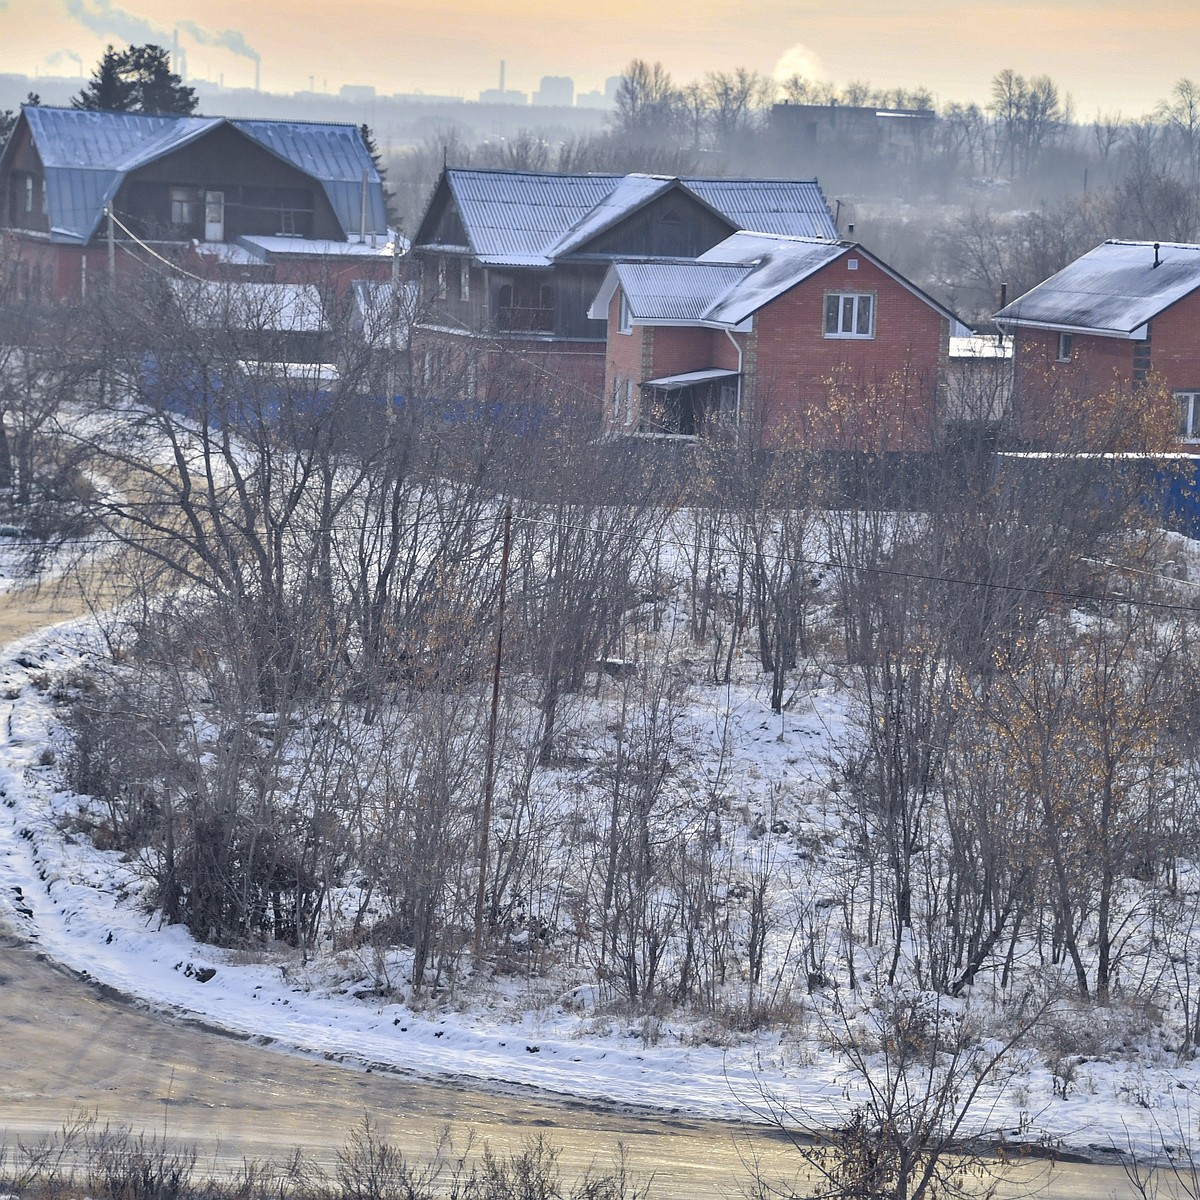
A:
x: 262, y: 201
x: 798, y: 341
x: 509, y: 262
x: 1102, y: 349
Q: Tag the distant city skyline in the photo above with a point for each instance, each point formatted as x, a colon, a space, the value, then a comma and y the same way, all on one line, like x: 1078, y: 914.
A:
x: 1109, y: 56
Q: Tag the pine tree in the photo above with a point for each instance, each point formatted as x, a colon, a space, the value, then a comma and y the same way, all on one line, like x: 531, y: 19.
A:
x: 108, y: 90
x: 138, y: 79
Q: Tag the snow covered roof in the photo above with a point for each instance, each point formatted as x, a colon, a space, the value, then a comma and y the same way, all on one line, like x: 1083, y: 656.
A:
x: 728, y: 284
x: 671, y: 383
x: 281, y: 307
x: 528, y: 218
x: 87, y: 156
x: 1112, y: 290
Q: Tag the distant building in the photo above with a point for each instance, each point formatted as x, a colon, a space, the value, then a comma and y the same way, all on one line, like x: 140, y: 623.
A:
x: 804, y: 128
x: 556, y: 91
x: 592, y: 100
x: 357, y: 93
x: 502, y: 96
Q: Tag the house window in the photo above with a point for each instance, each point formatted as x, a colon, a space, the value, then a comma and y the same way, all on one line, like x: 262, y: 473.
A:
x: 849, y: 315
x: 625, y: 317
x: 29, y: 193
x: 185, y: 206
x: 441, y: 277
x: 1189, y: 415
x: 464, y: 280
x: 1066, y: 344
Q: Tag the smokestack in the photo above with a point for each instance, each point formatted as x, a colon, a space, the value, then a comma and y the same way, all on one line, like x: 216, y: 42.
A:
x: 502, y: 76
x: 257, y: 74
x: 175, y: 51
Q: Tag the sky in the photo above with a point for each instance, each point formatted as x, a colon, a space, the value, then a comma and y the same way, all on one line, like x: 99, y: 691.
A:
x: 1111, y: 57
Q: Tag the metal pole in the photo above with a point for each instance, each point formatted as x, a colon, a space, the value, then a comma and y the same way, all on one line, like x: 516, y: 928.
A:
x: 489, y: 779
x: 362, y: 214
x: 112, y: 247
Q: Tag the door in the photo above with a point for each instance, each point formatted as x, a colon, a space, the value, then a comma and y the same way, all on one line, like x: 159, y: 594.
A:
x: 214, y: 216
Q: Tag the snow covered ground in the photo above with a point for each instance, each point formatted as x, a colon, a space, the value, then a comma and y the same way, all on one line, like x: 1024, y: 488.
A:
x: 81, y: 906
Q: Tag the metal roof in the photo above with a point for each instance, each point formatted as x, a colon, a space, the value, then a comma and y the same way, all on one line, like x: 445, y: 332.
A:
x: 627, y: 197
x: 1114, y: 289
x: 728, y: 284
x: 87, y: 155
x: 670, y: 383
x: 512, y: 218
x: 796, y: 207
x: 672, y: 290
x: 526, y: 218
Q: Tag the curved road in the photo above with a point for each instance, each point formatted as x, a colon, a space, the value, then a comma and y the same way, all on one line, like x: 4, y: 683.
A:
x: 68, y: 1045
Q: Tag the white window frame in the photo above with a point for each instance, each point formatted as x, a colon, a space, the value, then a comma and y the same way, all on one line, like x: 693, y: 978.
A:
x: 29, y: 193
x: 624, y: 316
x: 1189, y: 414
x: 847, y: 322
x: 1066, y: 347
x: 185, y: 205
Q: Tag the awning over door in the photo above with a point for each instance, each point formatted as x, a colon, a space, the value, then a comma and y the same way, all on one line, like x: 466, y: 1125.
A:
x: 671, y: 383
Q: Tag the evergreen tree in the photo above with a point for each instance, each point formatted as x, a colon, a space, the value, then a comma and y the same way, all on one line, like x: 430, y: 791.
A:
x: 8, y: 117
x: 108, y: 90
x: 138, y: 79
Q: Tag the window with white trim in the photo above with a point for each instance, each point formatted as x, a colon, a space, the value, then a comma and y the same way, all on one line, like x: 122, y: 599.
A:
x: 1189, y: 415
x: 1066, y: 346
x: 464, y: 280
x: 624, y: 316
x: 849, y: 315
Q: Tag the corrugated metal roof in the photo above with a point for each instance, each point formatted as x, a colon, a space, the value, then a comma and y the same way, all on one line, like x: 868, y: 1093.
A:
x: 670, y: 383
x: 675, y: 291
x: 1113, y: 289
x: 336, y: 156
x: 88, y: 154
x: 627, y: 197
x: 512, y: 218
x: 796, y: 207
x: 525, y: 218
x: 774, y: 264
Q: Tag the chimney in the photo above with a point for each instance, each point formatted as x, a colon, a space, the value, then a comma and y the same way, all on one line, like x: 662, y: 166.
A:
x: 1003, y: 294
x: 257, y: 74
x: 1157, y: 260
x: 850, y: 231
x: 502, y: 77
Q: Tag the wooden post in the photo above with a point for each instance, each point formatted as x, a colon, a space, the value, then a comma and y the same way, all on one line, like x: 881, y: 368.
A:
x: 489, y: 778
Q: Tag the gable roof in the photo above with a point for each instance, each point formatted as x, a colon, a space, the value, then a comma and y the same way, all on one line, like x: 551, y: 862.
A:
x: 728, y: 284
x: 531, y: 219
x: 1112, y: 290
x: 87, y: 156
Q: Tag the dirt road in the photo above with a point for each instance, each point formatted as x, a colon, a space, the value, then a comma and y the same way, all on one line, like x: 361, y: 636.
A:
x: 65, y: 1044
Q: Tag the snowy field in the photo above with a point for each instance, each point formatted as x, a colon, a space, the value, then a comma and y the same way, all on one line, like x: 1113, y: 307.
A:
x: 82, y: 907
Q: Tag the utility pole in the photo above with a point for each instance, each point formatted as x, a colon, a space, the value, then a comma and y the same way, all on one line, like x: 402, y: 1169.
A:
x: 393, y: 330
x: 489, y: 779
x: 112, y: 246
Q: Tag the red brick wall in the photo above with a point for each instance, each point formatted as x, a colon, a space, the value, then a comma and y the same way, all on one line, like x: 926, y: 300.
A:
x: 1175, y: 344
x: 1091, y: 402
x: 877, y: 394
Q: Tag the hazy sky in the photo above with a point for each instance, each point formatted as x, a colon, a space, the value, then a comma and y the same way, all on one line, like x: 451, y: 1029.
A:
x: 1108, y: 55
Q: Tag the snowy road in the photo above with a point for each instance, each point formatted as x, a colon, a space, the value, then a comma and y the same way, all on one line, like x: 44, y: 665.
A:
x: 67, y: 1044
